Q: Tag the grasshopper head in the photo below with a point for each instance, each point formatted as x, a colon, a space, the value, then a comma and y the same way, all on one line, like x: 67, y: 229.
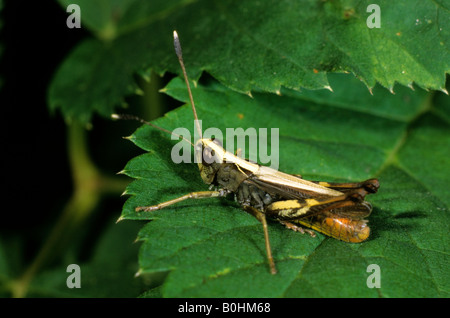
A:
x: 209, y: 157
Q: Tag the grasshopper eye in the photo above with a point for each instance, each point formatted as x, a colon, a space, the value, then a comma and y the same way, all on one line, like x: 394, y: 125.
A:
x: 209, y: 155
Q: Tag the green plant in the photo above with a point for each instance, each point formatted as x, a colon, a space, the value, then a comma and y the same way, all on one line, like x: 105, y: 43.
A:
x: 277, y: 70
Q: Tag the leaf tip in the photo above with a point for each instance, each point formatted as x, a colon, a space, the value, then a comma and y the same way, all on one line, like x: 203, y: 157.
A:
x: 444, y: 90
x: 122, y: 172
x: 249, y: 93
x: 119, y: 219
x: 411, y: 86
x: 329, y: 88
x: 138, y: 273
x: 391, y: 89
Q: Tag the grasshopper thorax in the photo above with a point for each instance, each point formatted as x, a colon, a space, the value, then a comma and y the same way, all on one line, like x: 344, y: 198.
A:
x: 215, y: 165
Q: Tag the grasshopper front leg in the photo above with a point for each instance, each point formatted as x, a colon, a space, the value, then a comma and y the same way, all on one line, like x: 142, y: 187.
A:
x: 192, y: 195
x: 214, y: 194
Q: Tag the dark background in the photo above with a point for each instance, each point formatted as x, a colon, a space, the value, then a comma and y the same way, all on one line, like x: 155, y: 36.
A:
x: 36, y: 177
x: 36, y: 180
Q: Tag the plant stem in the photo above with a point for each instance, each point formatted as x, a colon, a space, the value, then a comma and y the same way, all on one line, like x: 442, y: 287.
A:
x: 89, y: 186
x: 151, y: 104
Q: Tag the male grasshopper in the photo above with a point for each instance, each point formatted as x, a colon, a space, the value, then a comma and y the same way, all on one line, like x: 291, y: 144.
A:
x: 334, y: 209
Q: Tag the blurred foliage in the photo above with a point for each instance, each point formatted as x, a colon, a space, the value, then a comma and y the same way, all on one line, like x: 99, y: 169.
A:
x: 239, y: 53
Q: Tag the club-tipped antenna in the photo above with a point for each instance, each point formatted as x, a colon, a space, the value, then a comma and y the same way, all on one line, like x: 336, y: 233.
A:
x: 133, y: 117
x: 177, y: 45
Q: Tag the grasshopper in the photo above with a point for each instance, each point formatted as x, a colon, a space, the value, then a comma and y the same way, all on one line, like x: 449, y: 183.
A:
x: 337, y: 210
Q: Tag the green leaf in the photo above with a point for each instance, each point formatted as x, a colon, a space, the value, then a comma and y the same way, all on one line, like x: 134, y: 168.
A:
x: 109, y: 272
x: 250, y: 45
x: 102, y: 17
x: 212, y: 248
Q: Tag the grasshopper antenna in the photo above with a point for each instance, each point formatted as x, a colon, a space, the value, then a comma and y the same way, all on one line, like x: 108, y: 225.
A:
x: 177, y: 45
x: 132, y: 117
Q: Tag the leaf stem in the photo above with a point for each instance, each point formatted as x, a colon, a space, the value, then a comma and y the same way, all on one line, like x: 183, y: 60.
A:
x: 151, y: 103
x: 89, y: 186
